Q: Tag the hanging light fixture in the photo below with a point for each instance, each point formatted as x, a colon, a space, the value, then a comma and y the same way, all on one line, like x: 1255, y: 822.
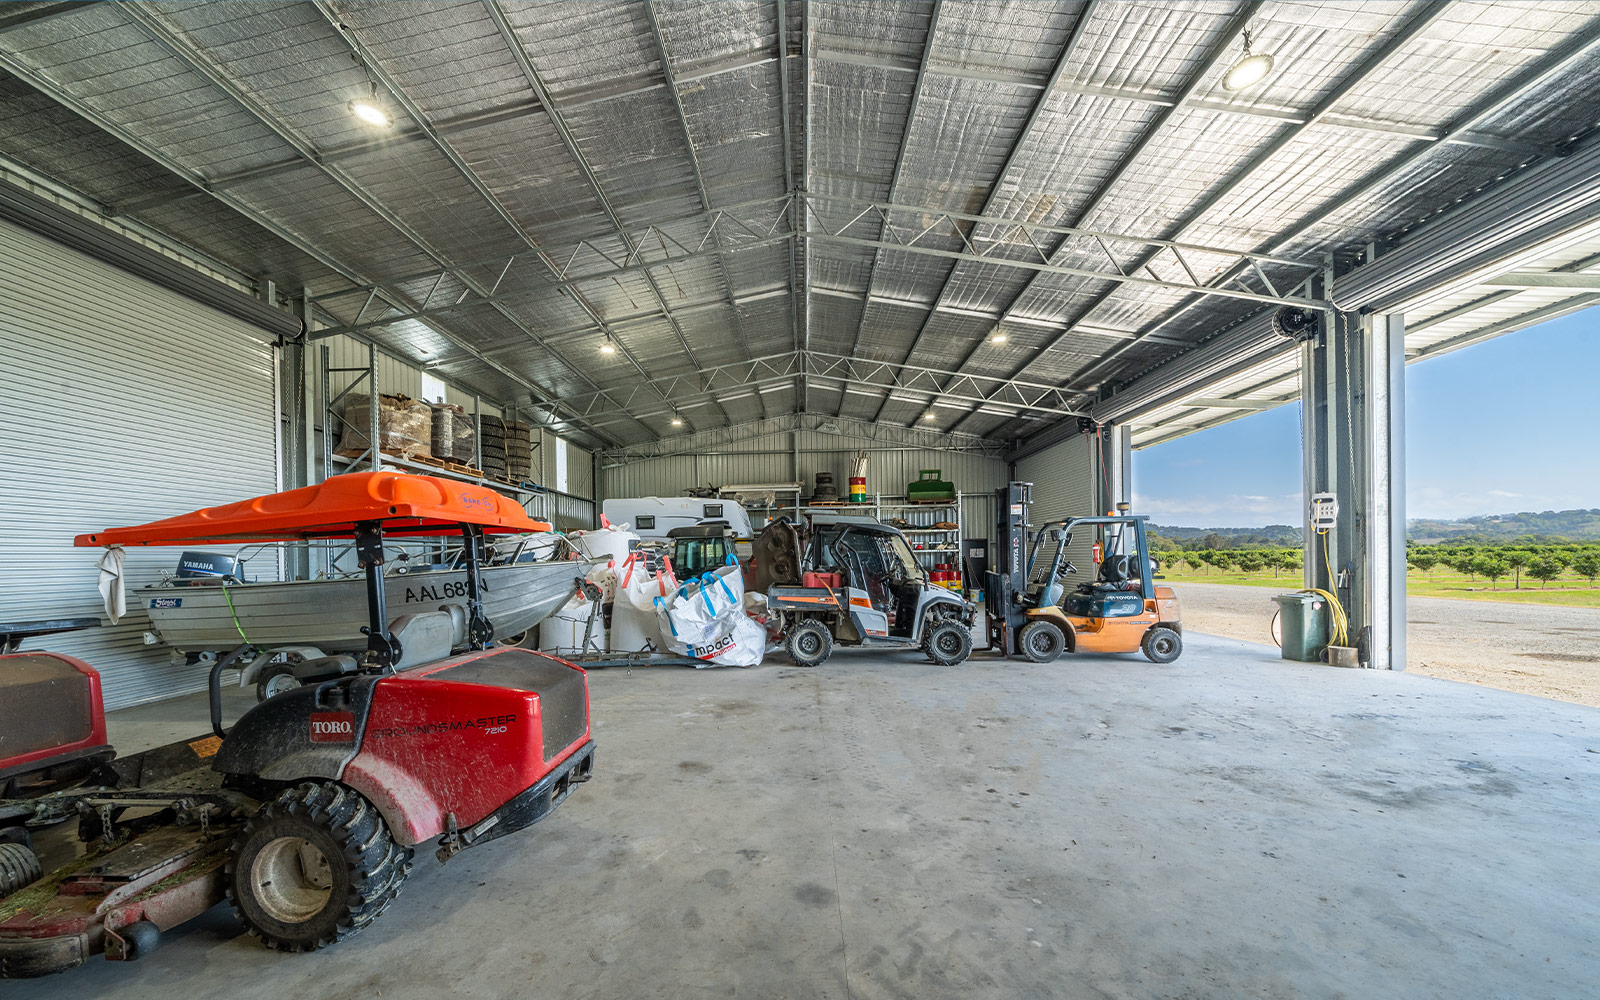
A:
x: 371, y: 110
x: 930, y: 415
x: 368, y: 110
x: 1250, y: 70
x: 677, y: 421
x: 997, y: 337
x: 608, y: 347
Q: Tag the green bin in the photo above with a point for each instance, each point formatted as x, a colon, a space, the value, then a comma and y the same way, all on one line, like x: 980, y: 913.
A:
x: 1304, y: 621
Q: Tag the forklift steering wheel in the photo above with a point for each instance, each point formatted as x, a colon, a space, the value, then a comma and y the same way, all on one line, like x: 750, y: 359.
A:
x: 1068, y: 568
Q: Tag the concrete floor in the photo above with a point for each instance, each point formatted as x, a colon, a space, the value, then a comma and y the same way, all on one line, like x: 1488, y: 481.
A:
x: 1231, y: 825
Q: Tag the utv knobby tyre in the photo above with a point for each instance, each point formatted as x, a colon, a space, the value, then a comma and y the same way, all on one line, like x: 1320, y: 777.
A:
x: 948, y: 643
x: 19, y: 867
x: 1162, y: 644
x: 809, y: 643
x: 1041, y: 641
x: 314, y: 866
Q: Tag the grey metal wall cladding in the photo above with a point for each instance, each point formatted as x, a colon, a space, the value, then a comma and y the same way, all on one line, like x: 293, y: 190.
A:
x: 1063, y: 478
x: 580, y: 470
x: 123, y: 402
x: 567, y: 512
x: 771, y: 458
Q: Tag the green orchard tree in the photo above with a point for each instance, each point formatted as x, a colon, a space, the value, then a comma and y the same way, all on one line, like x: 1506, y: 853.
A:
x: 1491, y: 568
x: 1518, y: 560
x: 1544, y: 569
x: 1587, y: 564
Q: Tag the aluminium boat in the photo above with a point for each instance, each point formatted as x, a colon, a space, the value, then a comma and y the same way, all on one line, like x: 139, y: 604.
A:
x: 205, y: 608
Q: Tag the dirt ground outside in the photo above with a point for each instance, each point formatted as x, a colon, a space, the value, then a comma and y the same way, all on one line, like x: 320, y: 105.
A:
x: 1552, y: 652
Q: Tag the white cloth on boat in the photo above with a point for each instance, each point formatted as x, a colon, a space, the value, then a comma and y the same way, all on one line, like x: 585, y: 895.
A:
x: 111, y: 591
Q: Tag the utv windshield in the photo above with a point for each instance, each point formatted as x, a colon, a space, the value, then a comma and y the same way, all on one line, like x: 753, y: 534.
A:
x: 901, y: 553
x: 693, y: 556
x: 881, y: 553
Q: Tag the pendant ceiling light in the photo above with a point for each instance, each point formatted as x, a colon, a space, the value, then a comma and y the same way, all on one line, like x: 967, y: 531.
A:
x: 1250, y: 70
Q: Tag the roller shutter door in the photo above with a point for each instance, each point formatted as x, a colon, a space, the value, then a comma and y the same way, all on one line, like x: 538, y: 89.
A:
x: 1063, y: 478
x: 124, y: 402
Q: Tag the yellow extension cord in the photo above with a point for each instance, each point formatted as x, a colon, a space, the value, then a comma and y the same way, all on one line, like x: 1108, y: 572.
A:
x: 1340, y: 633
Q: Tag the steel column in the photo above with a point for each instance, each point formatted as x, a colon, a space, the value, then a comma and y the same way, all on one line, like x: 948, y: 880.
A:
x: 1384, y: 357
x: 1353, y: 428
x: 294, y: 410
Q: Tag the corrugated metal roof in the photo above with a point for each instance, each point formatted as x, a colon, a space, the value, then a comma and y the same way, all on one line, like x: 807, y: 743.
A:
x: 545, y: 153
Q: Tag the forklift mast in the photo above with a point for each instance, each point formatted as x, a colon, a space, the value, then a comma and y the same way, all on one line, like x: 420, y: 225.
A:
x: 1008, y: 579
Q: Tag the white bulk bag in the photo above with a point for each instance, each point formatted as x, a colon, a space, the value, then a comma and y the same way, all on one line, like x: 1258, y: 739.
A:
x: 703, y: 610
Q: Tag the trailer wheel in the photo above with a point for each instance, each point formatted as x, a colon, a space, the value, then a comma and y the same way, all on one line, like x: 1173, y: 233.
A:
x: 810, y: 643
x: 1162, y: 644
x: 948, y: 643
x: 19, y: 867
x: 276, y: 679
x: 314, y: 866
x: 1041, y: 641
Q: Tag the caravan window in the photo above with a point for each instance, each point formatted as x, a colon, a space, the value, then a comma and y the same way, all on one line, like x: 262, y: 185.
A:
x: 713, y: 510
x: 646, y: 522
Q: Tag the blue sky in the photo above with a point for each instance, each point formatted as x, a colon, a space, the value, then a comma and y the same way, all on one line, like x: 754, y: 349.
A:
x: 1506, y: 425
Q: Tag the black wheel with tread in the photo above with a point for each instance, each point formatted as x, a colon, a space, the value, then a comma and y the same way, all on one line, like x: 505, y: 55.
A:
x: 809, y: 643
x: 275, y: 679
x: 1162, y: 644
x: 314, y: 866
x: 1041, y: 641
x: 19, y: 867
x: 948, y: 643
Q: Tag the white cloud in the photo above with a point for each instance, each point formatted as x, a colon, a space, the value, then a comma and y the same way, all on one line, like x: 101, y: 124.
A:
x: 1443, y: 504
x: 1235, y: 511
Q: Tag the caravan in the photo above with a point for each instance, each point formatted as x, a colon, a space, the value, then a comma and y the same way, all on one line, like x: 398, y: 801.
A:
x: 652, y: 517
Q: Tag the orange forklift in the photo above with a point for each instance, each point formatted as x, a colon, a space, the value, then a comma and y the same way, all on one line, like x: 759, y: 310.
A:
x: 1120, y: 611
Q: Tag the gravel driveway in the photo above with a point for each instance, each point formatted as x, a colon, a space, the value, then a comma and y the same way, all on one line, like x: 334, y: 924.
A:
x: 1552, y: 652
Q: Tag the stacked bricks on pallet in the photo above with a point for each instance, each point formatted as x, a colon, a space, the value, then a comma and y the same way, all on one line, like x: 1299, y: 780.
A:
x: 519, y: 451
x: 493, y: 445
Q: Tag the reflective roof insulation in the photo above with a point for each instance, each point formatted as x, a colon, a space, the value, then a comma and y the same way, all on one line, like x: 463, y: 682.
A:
x: 692, y: 183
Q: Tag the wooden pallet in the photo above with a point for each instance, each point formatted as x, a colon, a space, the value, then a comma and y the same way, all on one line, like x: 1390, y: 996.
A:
x: 450, y: 465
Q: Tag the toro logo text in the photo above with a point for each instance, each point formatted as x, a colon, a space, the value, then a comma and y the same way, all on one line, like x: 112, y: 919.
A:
x: 333, y: 727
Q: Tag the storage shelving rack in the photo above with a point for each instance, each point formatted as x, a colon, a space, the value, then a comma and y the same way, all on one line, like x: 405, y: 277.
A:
x: 540, y: 502
x: 940, y: 544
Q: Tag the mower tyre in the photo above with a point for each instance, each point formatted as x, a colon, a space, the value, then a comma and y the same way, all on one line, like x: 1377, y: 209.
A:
x: 314, y: 866
x: 1162, y: 644
x: 948, y: 643
x: 1041, y: 641
x: 809, y: 643
x: 276, y: 679
x: 19, y: 867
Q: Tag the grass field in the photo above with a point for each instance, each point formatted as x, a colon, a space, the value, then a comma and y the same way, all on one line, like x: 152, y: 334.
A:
x: 1566, y: 591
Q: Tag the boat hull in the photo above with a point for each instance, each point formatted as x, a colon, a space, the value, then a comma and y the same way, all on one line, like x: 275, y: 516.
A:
x: 329, y: 614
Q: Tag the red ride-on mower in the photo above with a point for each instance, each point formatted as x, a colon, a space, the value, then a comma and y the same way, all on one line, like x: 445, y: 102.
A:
x: 305, y: 814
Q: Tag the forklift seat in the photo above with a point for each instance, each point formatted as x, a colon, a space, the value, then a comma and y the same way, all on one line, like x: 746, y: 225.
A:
x: 1103, y: 604
x: 1118, y: 570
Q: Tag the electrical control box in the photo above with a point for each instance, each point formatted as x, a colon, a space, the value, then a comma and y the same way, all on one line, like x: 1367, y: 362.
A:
x: 1324, y: 511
